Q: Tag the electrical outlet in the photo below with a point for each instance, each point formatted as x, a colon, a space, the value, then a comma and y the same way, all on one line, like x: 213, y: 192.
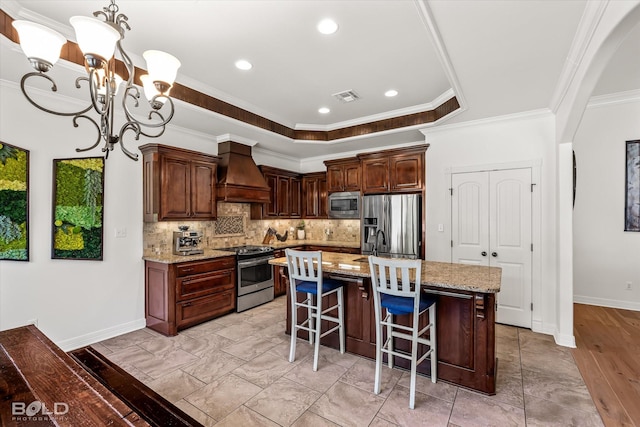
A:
x: 121, y: 233
x: 440, y: 227
x: 628, y: 286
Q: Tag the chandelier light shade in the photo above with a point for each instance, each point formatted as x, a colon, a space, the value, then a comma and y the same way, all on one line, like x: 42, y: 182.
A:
x: 162, y: 68
x: 95, y: 38
x: 98, y: 40
x: 40, y: 44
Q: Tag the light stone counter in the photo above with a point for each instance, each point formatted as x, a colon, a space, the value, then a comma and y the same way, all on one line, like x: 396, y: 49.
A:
x: 169, y: 258
x: 459, y: 277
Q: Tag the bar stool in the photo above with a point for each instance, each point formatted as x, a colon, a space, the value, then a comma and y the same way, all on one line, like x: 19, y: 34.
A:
x: 305, y: 276
x: 392, y: 290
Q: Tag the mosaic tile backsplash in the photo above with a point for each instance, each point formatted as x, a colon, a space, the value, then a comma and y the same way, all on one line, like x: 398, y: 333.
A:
x: 234, y: 227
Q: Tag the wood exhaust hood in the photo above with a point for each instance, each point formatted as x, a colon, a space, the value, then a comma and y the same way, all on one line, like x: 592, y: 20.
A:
x: 239, y: 179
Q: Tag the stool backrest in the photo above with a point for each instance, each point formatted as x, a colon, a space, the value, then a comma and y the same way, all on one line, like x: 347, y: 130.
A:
x: 304, y: 265
x: 395, y: 276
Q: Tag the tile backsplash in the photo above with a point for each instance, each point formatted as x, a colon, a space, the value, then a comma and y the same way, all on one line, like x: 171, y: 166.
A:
x: 234, y: 227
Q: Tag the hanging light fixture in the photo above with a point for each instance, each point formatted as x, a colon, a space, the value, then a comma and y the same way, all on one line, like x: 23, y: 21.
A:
x: 98, y: 40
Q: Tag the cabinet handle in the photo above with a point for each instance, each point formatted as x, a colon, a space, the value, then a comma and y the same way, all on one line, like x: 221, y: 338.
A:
x: 187, y: 304
x: 186, y: 270
x: 483, y: 253
x: 494, y: 254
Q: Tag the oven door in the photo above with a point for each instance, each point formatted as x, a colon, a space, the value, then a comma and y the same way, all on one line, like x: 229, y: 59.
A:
x: 254, y: 275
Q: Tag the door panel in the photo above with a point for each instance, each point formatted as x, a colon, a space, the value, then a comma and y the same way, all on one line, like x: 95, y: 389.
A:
x: 491, y: 225
x: 510, y: 243
x: 470, y: 217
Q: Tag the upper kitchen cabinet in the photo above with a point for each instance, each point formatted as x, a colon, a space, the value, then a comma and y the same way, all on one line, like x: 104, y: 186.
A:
x: 393, y: 171
x: 343, y: 175
x: 178, y: 184
x: 285, y: 195
x: 314, y: 195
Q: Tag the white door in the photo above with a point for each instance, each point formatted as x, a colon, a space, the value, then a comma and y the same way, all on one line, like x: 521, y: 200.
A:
x: 491, y: 225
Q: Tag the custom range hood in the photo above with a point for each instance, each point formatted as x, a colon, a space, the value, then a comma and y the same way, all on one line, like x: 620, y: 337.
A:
x: 239, y: 179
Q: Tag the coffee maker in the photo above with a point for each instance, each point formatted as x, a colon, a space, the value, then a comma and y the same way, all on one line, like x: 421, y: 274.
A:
x: 187, y: 242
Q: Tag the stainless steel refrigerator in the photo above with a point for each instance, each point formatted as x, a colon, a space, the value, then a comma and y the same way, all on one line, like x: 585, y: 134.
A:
x: 392, y: 225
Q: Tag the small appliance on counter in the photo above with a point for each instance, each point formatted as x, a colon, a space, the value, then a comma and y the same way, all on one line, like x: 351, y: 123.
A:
x: 187, y: 242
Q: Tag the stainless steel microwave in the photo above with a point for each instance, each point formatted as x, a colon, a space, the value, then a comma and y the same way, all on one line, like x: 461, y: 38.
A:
x: 344, y: 205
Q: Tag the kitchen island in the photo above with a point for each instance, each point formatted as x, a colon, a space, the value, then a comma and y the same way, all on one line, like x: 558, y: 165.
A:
x: 465, y: 316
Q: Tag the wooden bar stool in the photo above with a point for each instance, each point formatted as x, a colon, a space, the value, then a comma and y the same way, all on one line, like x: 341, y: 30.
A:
x: 391, y: 280
x: 305, y: 276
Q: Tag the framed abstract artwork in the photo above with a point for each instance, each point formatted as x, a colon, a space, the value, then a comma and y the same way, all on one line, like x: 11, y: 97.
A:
x: 14, y: 203
x: 78, y: 196
x: 632, y: 187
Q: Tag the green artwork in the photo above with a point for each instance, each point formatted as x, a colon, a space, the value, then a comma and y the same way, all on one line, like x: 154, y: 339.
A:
x: 77, y: 208
x: 14, y: 203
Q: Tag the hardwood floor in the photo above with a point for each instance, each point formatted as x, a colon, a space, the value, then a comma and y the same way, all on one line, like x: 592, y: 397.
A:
x: 608, y: 356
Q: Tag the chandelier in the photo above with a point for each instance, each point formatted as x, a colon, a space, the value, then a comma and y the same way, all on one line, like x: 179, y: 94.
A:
x: 98, y: 40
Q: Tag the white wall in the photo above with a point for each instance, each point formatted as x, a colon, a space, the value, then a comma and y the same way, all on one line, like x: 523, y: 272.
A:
x: 511, y: 140
x: 605, y: 256
x: 76, y: 302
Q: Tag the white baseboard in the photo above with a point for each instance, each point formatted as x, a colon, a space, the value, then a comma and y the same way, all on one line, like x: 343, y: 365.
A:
x: 94, y: 337
x: 603, y: 302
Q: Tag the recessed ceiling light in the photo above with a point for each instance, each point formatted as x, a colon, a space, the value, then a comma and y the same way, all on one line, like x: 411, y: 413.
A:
x: 391, y: 93
x: 243, y: 64
x: 327, y: 26
x: 323, y: 110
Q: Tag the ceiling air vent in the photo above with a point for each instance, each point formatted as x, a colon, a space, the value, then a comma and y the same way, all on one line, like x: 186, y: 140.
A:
x: 347, y: 96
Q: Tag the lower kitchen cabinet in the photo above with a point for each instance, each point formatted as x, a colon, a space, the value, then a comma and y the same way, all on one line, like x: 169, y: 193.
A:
x: 184, y: 294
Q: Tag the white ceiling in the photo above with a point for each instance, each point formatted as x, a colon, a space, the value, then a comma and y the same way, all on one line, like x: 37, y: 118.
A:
x: 497, y: 57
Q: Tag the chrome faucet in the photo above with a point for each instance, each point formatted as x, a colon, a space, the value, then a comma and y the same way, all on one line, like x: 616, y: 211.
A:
x: 376, y: 242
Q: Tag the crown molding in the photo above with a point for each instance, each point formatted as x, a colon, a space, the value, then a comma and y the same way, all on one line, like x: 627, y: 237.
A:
x: 533, y: 114
x: 614, y: 98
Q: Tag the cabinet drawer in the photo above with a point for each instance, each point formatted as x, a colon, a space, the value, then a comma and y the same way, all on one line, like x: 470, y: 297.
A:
x: 197, y: 267
x: 203, y: 284
x: 200, y: 309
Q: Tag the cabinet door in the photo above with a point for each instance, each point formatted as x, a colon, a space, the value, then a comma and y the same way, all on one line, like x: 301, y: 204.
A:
x: 311, y: 197
x: 375, y: 175
x: 203, y: 190
x: 406, y: 172
x: 335, y: 178
x: 295, y: 197
x: 175, y: 189
x: 323, y: 199
x: 352, y: 177
x: 283, y: 201
x: 271, y: 208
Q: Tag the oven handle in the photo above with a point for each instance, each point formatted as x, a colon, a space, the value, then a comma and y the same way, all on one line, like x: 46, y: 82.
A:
x: 252, y: 262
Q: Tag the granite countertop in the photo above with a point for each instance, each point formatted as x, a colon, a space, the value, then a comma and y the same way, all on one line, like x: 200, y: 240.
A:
x: 170, y: 258
x: 461, y: 277
x: 290, y: 243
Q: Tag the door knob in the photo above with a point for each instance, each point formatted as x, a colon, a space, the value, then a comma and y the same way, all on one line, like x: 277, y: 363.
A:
x: 494, y: 254
x: 483, y: 253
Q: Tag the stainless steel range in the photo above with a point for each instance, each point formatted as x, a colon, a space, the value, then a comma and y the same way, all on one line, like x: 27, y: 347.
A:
x: 255, y: 275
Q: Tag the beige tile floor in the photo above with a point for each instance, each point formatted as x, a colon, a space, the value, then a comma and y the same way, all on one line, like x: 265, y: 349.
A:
x: 234, y: 371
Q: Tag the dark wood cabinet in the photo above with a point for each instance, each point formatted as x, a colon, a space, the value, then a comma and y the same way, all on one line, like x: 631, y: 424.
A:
x: 178, y: 184
x: 285, y: 195
x: 465, y: 324
x: 184, y: 294
x: 393, y: 171
x: 343, y: 175
x: 314, y: 195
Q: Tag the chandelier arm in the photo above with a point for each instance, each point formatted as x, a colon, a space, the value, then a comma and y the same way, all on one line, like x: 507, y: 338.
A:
x: 135, y: 127
x: 75, y: 125
x: 93, y: 91
x: 54, y: 88
x: 135, y: 98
